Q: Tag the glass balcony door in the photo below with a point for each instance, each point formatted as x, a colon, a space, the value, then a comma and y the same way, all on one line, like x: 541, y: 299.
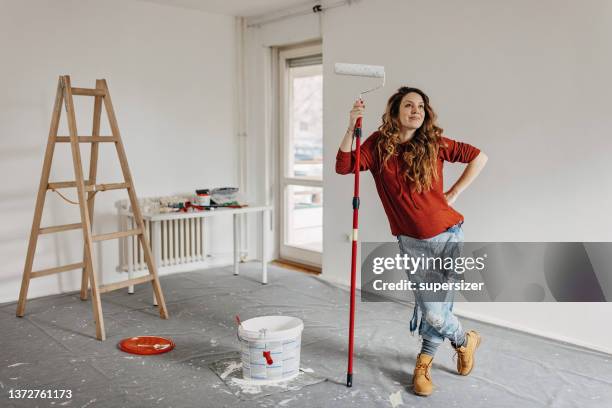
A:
x: 301, y: 154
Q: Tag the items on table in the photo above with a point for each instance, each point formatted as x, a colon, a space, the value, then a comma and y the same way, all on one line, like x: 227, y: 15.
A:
x: 225, y: 196
x: 204, y: 199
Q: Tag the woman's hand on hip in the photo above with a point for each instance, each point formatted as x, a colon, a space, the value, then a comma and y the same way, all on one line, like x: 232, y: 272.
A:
x: 451, y: 196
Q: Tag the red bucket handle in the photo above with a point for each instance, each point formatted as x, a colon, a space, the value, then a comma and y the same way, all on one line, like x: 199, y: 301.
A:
x: 268, y: 357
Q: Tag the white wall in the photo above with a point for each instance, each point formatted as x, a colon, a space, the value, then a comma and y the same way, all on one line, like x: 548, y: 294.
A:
x: 171, y: 74
x: 526, y: 82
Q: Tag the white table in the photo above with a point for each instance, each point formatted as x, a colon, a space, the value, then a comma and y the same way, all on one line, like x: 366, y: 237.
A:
x: 154, y: 219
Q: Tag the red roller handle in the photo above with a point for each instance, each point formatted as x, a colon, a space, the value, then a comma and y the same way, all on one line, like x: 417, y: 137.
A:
x: 357, y: 136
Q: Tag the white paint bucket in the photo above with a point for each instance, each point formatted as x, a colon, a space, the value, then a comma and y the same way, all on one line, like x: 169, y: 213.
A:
x: 270, y: 348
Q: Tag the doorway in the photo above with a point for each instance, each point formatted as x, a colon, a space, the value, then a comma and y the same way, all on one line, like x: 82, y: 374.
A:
x: 301, y: 154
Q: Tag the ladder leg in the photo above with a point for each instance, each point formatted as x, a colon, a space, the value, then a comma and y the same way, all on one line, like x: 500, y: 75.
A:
x: 40, y: 201
x: 159, y: 296
x: 84, y: 277
x: 95, y: 297
x: 78, y: 172
x: 127, y: 176
x: 93, y: 172
x: 156, y: 244
x: 132, y: 245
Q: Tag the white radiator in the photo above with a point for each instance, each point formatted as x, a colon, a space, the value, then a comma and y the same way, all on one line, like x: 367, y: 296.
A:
x: 180, y: 242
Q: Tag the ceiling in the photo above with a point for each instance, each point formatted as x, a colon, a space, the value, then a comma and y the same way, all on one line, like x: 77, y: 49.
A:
x: 245, y: 8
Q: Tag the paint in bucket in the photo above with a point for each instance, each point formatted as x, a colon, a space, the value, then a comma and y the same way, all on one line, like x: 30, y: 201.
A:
x: 270, y: 348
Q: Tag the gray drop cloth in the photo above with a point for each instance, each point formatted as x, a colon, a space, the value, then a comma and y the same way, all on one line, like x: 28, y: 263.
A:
x: 229, y: 369
x: 53, y: 347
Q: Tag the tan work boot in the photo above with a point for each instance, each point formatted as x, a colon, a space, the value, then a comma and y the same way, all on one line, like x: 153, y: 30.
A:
x: 465, y: 353
x: 421, y: 380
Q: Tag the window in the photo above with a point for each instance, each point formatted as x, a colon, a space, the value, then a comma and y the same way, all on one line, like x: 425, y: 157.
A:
x: 301, y: 154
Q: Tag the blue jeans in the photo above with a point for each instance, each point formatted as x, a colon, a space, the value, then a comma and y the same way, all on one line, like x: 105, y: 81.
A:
x: 437, y: 319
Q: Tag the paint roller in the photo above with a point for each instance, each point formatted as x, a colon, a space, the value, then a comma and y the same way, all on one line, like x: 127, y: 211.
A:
x: 369, y: 71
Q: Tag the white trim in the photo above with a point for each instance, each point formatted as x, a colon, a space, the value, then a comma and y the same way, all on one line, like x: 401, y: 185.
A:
x: 241, y: 129
x: 302, y: 181
x: 298, y: 51
x: 303, y: 256
x: 492, y: 321
x: 525, y: 329
x: 296, y: 254
x: 271, y: 176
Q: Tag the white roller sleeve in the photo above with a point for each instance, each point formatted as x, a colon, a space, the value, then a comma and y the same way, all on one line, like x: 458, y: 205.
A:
x: 373, y: 71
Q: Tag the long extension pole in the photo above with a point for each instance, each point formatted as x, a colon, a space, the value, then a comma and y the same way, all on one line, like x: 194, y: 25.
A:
x: 371, y: 71
x: 357, y: 136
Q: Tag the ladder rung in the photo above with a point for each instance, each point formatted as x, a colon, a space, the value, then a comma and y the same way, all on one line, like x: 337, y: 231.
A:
x: 87, y: 139
x: 59, y: 228
x: 88, y: 92
x: 114, y: 235
x: 58, y: 269
x: 124, y: 284
x: 64, y: 184
x: 105, y: 187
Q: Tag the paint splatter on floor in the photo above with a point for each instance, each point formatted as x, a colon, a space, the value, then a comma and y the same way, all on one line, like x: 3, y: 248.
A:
x: 286, y: 401
x: 396, y: 399
x: 233, y: 366
x: 16, y: 365
x: 229, y: 369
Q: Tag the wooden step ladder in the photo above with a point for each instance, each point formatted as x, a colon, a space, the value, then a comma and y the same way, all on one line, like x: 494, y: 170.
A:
x: 86, y: 191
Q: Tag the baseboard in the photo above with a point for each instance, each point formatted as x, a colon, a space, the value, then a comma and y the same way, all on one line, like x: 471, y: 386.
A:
x: 502, y: 323
x: 540, y: 333
x: 296, y: 266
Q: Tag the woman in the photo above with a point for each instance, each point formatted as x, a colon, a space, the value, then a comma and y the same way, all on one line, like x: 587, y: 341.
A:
x: 405, y: 157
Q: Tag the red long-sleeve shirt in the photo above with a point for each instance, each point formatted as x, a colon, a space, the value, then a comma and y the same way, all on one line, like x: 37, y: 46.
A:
x: 418, y: 215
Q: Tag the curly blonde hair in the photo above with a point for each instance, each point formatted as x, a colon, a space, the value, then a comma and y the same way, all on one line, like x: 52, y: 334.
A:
x: 421, y: 153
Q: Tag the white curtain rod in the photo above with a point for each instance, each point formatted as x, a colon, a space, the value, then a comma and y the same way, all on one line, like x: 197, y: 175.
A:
x: 317, y: 8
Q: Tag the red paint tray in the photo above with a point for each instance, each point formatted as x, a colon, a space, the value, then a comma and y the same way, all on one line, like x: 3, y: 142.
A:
x: 146, y: 345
